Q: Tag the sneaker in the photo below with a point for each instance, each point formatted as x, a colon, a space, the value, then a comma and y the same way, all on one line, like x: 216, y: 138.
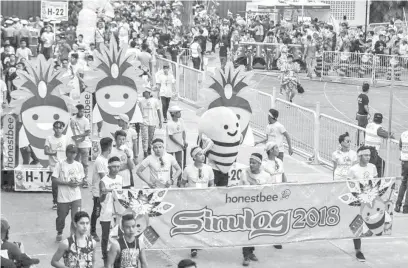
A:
x: 277, y: 246
x: 54, y: 206
x: 360, y: 256
x: 95, y: 237
x: 58, y: 238
x: 246, y: 262
x: 193, y: 253
x: 397, y: 208
x: 252, y: 257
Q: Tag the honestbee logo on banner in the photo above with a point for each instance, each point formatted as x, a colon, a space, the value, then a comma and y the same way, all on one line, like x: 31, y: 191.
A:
x: 9, y: 146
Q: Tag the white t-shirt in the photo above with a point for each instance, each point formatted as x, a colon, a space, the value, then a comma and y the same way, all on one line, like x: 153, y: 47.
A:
x: 175, y: 129
x: 23, y: 53
x: 68, y: 172
x: 131, y: 136
x: 274, y: 133
x: 358, y: 172
x: 48, y: 39
x: 196, y: 178
x: 132, y: 53
x: 344, y: 160
x: 57, y: 144
x: 166, y: 84
x: 274, y: 168
x: 149, y: 109
x: 125, y: 174
x: 107, y: 208
x: 100, y: 166
x: 82, y: 125
x: 160, y: 174
x: 256, y: 179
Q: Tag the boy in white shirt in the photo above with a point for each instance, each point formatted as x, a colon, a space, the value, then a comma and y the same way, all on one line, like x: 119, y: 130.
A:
x: 273, y: 165
x: 68, y: 175
x: 125, y: 156
x: 54, y: 147
x: 23, y: 52
x: 165, y: 81
x: 176, y: 144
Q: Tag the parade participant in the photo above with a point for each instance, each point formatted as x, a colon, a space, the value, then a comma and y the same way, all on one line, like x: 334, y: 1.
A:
x: 275, y: 132
x: 289, y: 80
x: 197, y: 175
x: 78, y: 250
x: 23, y: 52
x: 125, y: 156
x: 176, y: 143
x: 161, y: 165
x: 82, y: 130
x: 196, y: 53
x: 223, y: 44
x: 253, y: 175
x: 403, y: 190
x: 110, y: 182
x: 54, y: 147
x: 100, y: 170
x: 273, y: 165
x: 125, y: 252
x: 363, y: 111
x: 309, y: 55
x: 374, y: 135
x: 131, y: 135
x: 343, y: 158
x: 362, y: 171
x: 165, y: 81
x: 150, y: 108
x: 187, y: 263
x: 68, y: 175
x: 48, y: 40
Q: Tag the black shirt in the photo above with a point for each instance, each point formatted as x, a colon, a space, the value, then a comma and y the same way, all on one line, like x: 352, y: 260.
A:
x: 362, y: 101
x: 203, y: 42
x: 223, y: 49
x: 379, y: 47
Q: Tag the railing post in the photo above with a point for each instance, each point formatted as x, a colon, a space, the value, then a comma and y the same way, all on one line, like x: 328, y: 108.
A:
x: 273, y: 98
x: 373, y: 80
x: 316, y: 136
x: 154, y: 70
x: 178, y: 77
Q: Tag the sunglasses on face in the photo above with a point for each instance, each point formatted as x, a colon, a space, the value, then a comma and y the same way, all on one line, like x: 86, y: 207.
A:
x: 347, y: 141
x: 200, y: 173
x: 161, y: 162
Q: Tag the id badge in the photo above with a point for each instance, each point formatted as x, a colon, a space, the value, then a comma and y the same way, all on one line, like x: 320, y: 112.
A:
x: 160, y: 177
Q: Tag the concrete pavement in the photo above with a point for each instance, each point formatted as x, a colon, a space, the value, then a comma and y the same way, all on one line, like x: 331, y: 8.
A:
x: 33, y: 223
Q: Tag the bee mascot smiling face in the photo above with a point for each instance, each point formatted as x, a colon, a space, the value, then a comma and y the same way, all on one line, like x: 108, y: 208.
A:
x: 222, y: 126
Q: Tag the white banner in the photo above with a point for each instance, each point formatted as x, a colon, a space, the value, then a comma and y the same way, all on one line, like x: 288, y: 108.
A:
x: 32, y: 179
x: 54, y: 11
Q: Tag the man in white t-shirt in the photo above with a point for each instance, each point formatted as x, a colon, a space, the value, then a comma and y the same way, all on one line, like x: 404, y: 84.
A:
x: 164, y: 169
x: 81, y: 129
x: 100, y: 170
x: 150, y: 108
x: 69, y: 175
x: 176, y: 144
x: 54, y: 147
x: 23, y: 52
x: 361, y: 172
x: 165, y: 81
x: 131, y: 135
x: 273, y: 165
x: 125, y: 155
x: 275, y: 132
x: 110, y: 182
x: 48, y: 41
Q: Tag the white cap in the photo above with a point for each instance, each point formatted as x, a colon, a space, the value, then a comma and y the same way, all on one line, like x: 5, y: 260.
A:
x: 123, y: 117
x: 24, y: 22
x: 175, y: 109
x: 270, y: 145
x: 9, y: 21
x: 15, y: 19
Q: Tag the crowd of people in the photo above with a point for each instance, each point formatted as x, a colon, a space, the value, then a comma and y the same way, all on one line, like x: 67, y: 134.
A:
x: 157, y: 30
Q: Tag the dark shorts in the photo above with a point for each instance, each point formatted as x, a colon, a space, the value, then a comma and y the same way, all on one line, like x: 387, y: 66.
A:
x: 362, y: 120
x: 404, y: 168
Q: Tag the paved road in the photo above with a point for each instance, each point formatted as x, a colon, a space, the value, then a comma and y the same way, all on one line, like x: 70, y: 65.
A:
x: 33, y: 222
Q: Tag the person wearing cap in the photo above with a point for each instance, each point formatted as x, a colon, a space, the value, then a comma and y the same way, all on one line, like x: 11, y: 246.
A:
x: 124, y: 153
x: 99, y: 171
x: 363, y: 112
x: 403, y: 190
x: 272, y: 164
x: 23, y: 52
x: 363, y: 170
x: 8, y: 32
x: 24, y: 33
x: 81, y: 129
x: 164, y: 169
x: 150, y: 108
x: 275, y: 132
x: 110, y: 182
x: 165, y: 82
x: 131, y: 135
x: 12, y: 256
x: 48, y: 40
x: 54, y: 147
x: 253, y: 175
x: 176, y: 143
x: 375, y: 133
x: 68, y: 174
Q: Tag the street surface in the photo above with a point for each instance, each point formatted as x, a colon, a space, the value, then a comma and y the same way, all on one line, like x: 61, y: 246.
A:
x: 33, y: 222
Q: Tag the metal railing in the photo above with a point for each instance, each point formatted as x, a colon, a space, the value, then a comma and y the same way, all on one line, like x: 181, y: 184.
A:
x: 259, y: 118
x: 364, y: 66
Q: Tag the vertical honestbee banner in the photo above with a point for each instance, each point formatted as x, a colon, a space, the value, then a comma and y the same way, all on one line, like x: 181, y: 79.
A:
x: 262, y: 215
x: 9, y: 149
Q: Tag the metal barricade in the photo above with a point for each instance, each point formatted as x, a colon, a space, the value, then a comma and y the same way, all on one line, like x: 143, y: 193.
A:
x: 185, y: 56
x: 300, y: 123
x: 383, y: 68
x: 259, y: 118
x: 190, y: 81
x: 338, y: 65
